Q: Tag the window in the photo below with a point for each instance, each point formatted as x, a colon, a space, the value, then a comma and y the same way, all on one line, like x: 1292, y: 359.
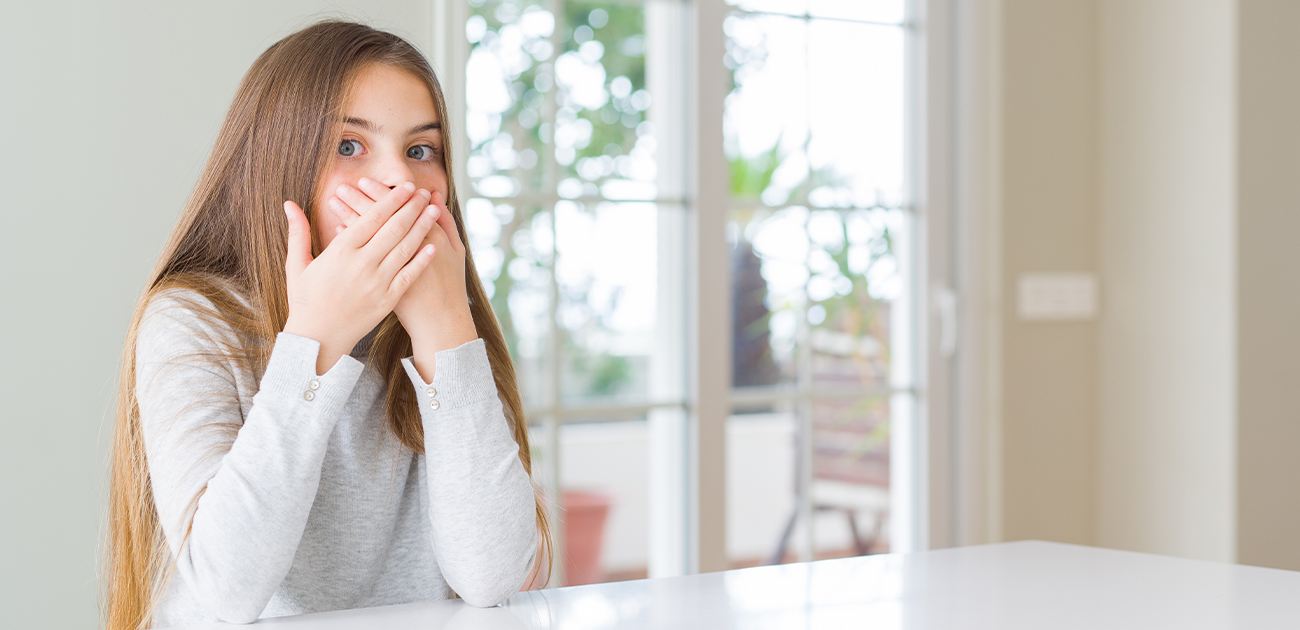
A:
x: 577, y: 232
x: 578, y: 208
x: 821, y: 230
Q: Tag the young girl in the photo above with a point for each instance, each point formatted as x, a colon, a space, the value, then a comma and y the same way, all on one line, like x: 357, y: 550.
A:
x: 317, y: 409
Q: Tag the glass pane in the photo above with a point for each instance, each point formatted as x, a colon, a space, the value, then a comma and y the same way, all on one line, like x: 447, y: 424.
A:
x: 790, y: 7
x: 814, y: 130
x: 511, y: 248
x: 892, y: 11
x: 849, y: 491
x: 603, y: 143
x: 507, y: 79
x: 888, y: 11
x: 855, y: 149
x: 854, y: 274
x: 762, y: 486
x: 855, y: 279
x: 769, y: 269
x: 854, y: 285
x: 826, y: 282
x: 850, y: 463
x: 765, y: 119
x: 607, y: 270
x: 605, y: 496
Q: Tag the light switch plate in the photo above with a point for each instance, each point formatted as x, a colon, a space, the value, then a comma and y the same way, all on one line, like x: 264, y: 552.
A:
x: 1057, y: 296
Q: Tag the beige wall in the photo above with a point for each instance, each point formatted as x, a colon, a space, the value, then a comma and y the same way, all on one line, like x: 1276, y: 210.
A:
x: 1118, y: 143
x: 110, y: 110
x: 1155, y: 142
x: 1268, y: 307
x: 1049, y: 222
x: 1164, y: 457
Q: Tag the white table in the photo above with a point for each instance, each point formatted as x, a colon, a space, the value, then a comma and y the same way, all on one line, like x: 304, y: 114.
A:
x: 1030, y: 585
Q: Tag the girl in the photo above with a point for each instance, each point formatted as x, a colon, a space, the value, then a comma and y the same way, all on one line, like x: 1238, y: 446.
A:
x: 317, y: 409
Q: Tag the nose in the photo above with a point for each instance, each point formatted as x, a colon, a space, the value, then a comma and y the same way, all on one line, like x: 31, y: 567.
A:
x: 392, y: 171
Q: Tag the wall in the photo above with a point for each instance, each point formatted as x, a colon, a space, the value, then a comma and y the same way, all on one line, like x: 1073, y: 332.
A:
x: 1175, y: 148
x: 1164, y: 458
x: 1049, y: 222
x: 111, y: 109
x: 1268, y: 302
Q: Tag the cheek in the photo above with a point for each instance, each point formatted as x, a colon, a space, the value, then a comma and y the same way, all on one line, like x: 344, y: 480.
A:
x: 325, y: 189
x: 324, y: 225
x: 324, y: 220
x: 435, y: 181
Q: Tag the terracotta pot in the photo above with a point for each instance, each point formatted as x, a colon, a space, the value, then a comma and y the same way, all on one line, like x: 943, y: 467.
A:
x: 584, y: 517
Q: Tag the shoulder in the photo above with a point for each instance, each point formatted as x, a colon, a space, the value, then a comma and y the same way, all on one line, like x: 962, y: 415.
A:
x: 176, y: 307
x: 175, y: 301
x: 178, y: 319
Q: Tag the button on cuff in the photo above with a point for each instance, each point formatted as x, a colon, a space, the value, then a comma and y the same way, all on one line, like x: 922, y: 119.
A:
x: 464, y: 377
x: 291, y: 375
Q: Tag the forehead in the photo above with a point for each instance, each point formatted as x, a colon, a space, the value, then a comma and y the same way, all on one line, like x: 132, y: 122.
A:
x: 386, y: 93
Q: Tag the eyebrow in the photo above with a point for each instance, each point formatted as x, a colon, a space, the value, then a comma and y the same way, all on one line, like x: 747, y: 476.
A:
x: 373, y: 128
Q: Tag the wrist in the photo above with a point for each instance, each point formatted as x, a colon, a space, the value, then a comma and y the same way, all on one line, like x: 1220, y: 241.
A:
x: 328, y: 343
x: 443, y: 331
x: 426, y: 320
x: 303, y: 329
x: 444, y: 334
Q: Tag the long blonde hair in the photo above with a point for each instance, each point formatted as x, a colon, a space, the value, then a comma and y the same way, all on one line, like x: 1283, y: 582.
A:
x: 275, y: 142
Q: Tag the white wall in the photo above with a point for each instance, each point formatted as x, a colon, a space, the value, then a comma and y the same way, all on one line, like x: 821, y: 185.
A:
x: 1165, y: 458
x: 110, y: 110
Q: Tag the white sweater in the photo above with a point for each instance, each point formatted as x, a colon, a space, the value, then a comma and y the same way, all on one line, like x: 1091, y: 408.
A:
x: 314, y: 504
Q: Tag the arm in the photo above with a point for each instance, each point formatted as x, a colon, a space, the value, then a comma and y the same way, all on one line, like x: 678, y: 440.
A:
x: 480, y: 500
x: 255, y: 488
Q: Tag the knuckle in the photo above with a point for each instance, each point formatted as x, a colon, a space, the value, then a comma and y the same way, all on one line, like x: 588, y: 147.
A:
x: 404, y: 251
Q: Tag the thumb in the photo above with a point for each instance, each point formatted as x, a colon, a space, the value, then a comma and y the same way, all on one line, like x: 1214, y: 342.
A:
x: 299, y: 246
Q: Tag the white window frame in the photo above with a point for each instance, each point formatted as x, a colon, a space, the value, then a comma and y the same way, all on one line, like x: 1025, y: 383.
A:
x: 949, y: 467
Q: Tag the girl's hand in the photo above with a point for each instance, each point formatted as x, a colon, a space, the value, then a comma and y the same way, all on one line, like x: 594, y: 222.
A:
x: 340, y: 295
x: 437, y: 301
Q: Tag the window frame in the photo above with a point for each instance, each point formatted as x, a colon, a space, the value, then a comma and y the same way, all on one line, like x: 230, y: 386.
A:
x: 697, y: 421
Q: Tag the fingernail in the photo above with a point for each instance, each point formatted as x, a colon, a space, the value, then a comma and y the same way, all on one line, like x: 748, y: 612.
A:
x: 431, y: 211
x: 365, y: 181
x: 408, y: 185
x: 341, y: 189
x: 423, y: 192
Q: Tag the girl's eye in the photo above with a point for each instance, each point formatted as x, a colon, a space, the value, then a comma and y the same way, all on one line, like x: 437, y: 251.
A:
x: 429, y: 152
x: 345, y: 151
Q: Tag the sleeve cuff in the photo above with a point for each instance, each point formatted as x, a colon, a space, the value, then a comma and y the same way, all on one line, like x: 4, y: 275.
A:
x: 291, y: 374
x: 462, y: 377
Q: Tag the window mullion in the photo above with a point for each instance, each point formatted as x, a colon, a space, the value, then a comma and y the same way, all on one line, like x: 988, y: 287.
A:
x: 554, y: 380
x: 709, y: 290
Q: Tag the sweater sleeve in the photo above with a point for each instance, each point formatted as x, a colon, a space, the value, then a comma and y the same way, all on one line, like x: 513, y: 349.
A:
x: 480, y: 500
x: 254, y: 477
